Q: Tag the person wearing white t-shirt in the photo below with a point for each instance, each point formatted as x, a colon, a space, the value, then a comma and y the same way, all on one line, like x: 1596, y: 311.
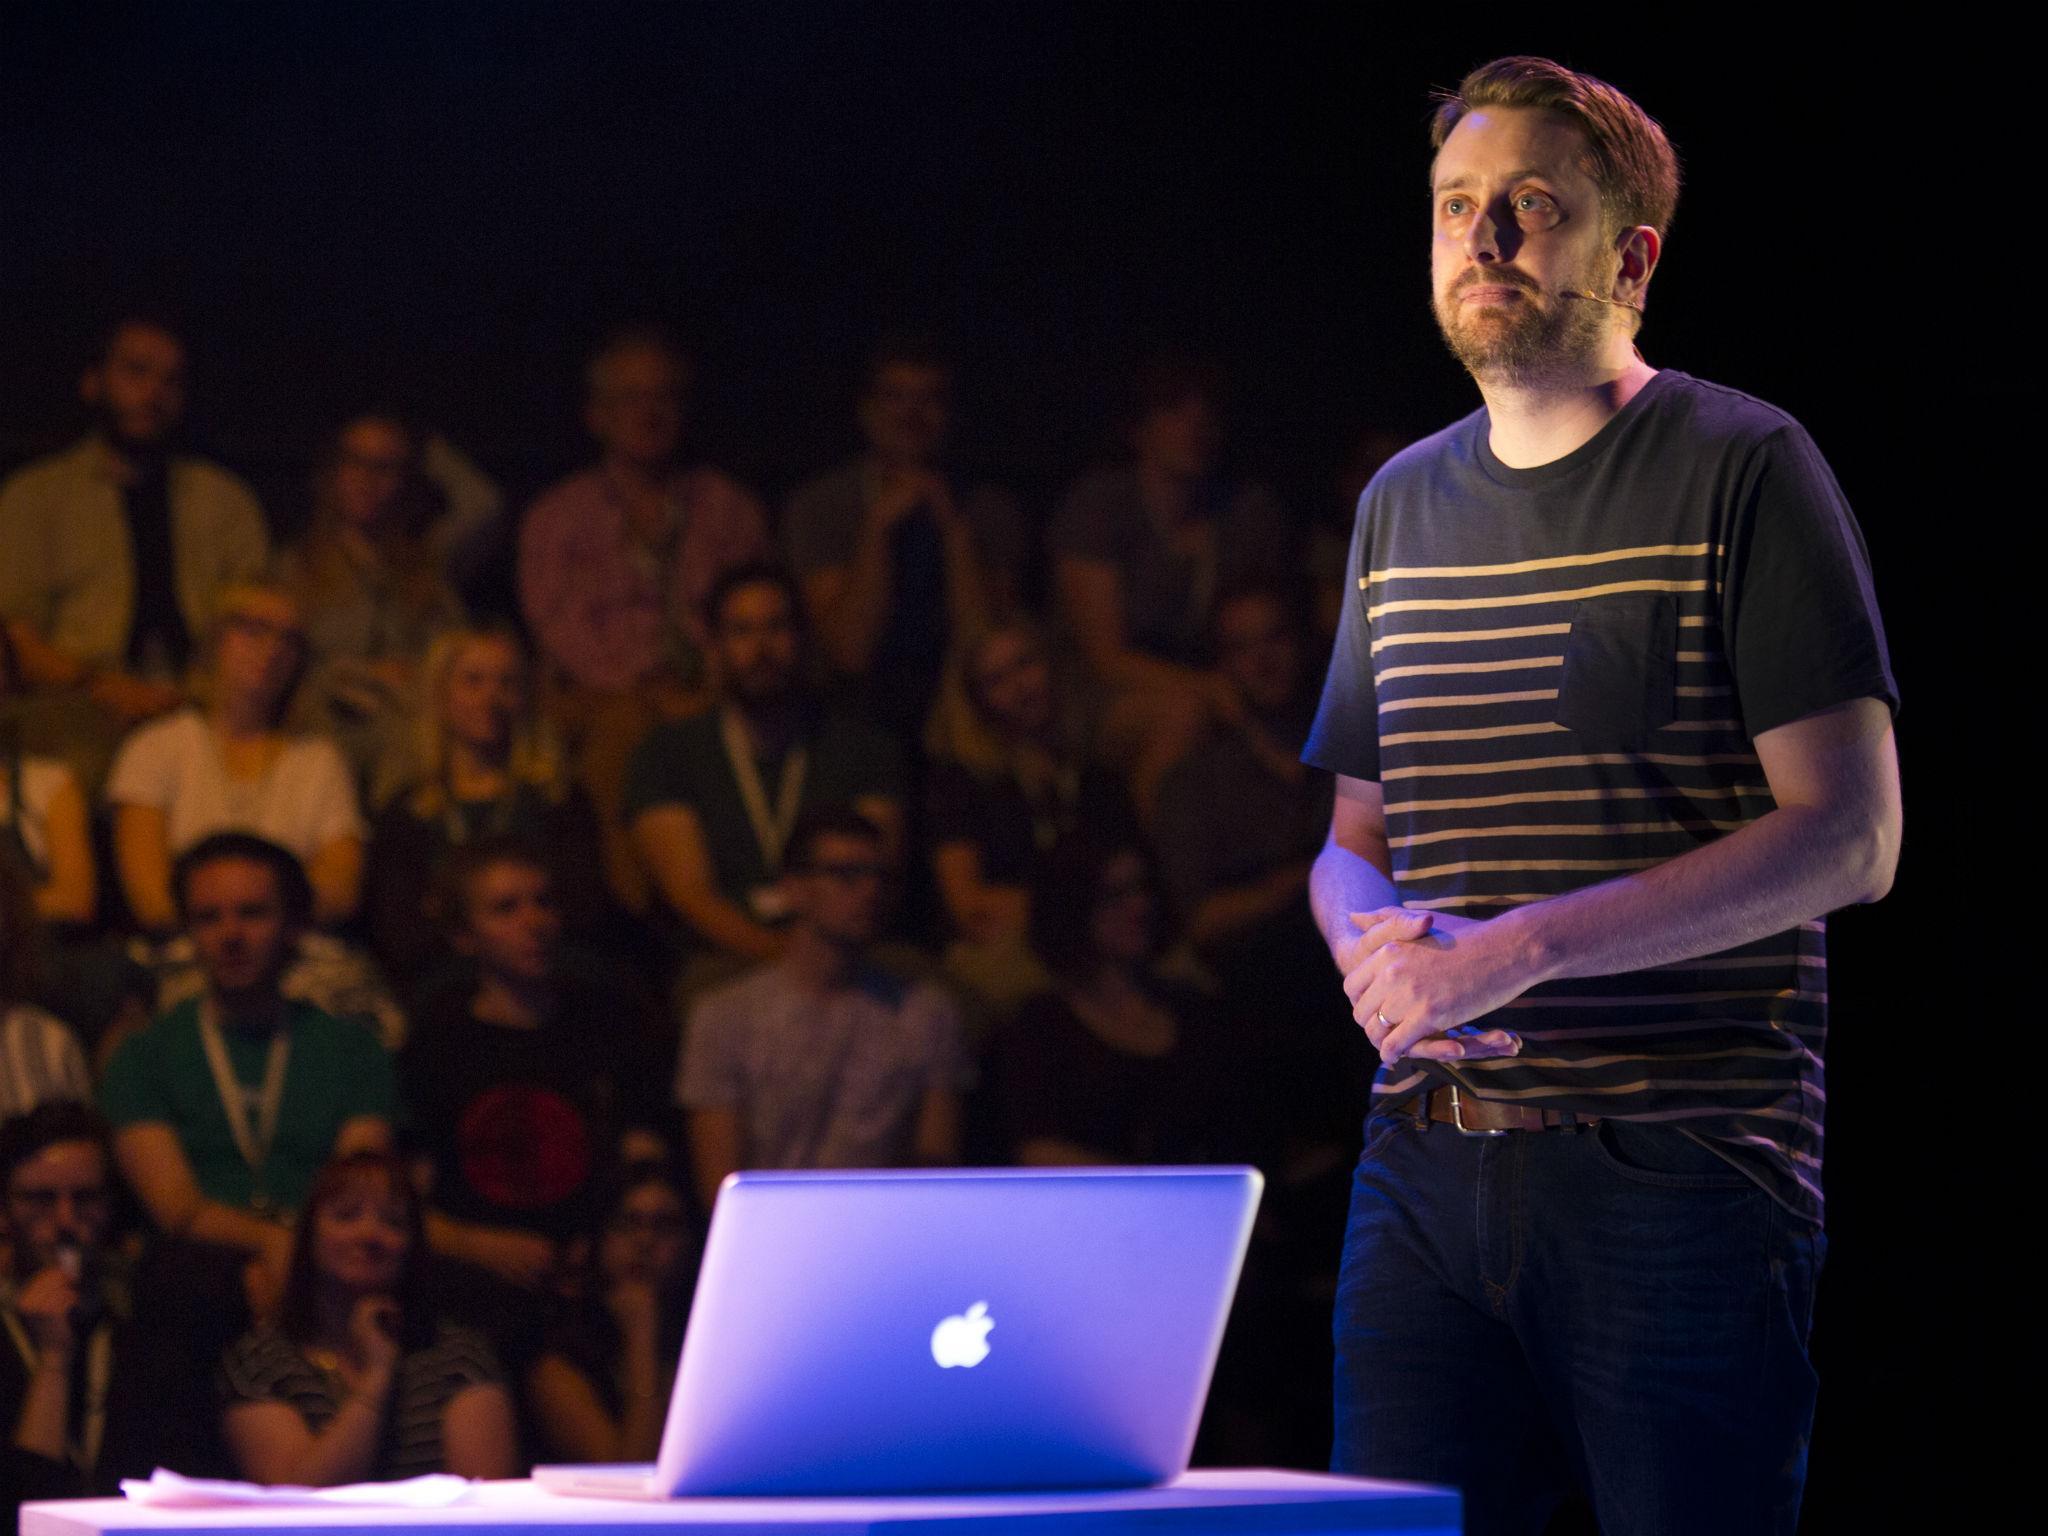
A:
x: 231, y: 766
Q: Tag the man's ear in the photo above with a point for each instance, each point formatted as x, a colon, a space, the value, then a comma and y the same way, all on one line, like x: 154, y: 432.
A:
x: 92, y: 384
x: 1638, y: 249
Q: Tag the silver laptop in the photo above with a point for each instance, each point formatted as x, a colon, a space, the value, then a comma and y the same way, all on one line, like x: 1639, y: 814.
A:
x: 947, y: 1331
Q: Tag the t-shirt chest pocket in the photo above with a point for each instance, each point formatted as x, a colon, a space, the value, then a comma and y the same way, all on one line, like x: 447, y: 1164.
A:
x: 1620, y: 670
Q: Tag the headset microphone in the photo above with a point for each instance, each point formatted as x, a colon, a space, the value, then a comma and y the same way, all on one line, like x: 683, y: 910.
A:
x: 1573, y: 293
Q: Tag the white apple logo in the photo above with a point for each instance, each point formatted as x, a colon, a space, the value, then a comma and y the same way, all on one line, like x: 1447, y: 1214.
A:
x: 963, y: 1340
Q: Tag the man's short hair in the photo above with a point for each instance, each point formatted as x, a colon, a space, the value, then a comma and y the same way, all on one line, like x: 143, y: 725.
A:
x: 635, y: 338
x: 751, y: 573
x: 1168, y: 380
x: 904, y: 349
x: 819, y: 823
x: 1629, y: 158
x: 57, y: 1120
x: 449, y: 896
x: 132, y: 320
x: 293, y: 888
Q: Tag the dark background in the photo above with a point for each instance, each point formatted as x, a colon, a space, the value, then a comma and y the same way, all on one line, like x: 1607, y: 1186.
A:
x: 446, y: 205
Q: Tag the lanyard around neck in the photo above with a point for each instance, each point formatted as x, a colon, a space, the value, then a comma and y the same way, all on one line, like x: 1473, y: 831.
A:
x: 252, y: 1141
x: 84, y: 1447
x: 771, y: 826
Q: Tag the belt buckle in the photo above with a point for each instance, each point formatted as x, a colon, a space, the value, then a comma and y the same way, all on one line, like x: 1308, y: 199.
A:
x: 1458, y: 1118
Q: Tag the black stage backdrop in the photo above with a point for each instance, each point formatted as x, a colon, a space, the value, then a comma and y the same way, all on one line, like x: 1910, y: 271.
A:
x: 445, y: 205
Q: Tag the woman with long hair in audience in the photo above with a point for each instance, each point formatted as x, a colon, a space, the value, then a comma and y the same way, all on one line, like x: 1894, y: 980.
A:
x: 489, y: 766
x: 231, y: 764
x: 599, y: 1387
x: 371, y: 595
x: 356, y: 1380
x: 1011, y: 777
x: 1115, y: 1062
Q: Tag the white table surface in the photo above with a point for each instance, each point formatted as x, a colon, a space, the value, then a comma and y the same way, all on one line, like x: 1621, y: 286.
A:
x: 1206, y: 1501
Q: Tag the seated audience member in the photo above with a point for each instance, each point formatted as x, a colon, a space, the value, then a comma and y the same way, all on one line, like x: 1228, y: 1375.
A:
x: 1010, y: 777
x: 370, y: 595
x: 712, y: 800
x: 44, y: 829
x: 113, y: 552
x: 356, y: 1380
x: 232, y: 765
x: 1115, y: 1063
x: 1235, y: 876
x: 489, y: 766
x: 1240, y: 882
x: 227, y: 1105
x: 1139, y: 551
x: 896, y: 555
x: 524, y: 1077
x: 81, y: 1404
x: 821, y: 1059
x: 615, y: 565
x: 40, y: 1058
x: 599, y: 1388
x: 1328, y: 559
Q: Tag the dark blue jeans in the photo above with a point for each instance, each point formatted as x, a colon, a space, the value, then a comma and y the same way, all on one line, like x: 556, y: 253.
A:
x: 1611, y: 1307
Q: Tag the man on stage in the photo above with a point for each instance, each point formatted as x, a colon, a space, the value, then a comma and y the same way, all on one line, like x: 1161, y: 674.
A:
x: 1610, y: 711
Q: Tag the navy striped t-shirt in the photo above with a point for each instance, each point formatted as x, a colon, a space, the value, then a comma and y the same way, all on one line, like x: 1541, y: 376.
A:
x: 1556, y: 676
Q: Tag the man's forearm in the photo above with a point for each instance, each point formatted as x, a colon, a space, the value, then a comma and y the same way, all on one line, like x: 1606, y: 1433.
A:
x: 1342, y: 882
x: 229, y: 1226
x: 1789, y: 866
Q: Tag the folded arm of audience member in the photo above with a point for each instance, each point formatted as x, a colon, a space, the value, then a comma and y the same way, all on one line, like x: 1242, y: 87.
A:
x: 670, y: 841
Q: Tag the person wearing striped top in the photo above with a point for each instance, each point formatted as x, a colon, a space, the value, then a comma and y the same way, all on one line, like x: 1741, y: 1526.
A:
x: 1610, y: 711
x: 355, y: 1379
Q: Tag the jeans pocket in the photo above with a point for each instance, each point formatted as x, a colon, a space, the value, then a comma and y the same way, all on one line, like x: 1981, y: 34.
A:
x: 1381, y: 1127
x: 1657, y: 1155
x: 1620, y: 678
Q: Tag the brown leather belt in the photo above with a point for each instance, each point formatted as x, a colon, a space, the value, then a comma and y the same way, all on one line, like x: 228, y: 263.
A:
x: 1482, y: 1117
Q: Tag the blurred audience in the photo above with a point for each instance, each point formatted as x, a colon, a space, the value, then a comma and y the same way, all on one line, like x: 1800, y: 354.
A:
x: 40, y: 1058
x: 895, y: 553
x: 224, y: 1108
x: 1329, y: 540
x: 1114, y: 1063
x: 1140, y: 552
x: 80, y: 1404
x: 822, y: 1059
x: 712, y: 800
x: 370, y: 596
x: 489, y: 766
x: 714, y: 767
x: 1011, y: 777
x: 44, y: 828
x: 615, y: 565
x: 524, y: 1076
x: 232, y: 764
x: 468, y: 538
x: 356, y: 1380
x: 600, y: 1385
x: 1233, y: 876
x: 113, y: 552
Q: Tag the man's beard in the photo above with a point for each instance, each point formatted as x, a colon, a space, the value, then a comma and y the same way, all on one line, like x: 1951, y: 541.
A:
x: 1518, y: 343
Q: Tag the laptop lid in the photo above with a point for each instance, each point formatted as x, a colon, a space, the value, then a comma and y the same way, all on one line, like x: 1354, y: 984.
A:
x: 949, y: 1330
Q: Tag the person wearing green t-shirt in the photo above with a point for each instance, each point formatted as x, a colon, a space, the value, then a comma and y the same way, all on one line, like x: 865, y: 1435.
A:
x: 227, y: 1105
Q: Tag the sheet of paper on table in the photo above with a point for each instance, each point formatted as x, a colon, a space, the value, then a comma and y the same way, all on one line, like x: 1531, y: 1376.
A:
x: 168, y: 1490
